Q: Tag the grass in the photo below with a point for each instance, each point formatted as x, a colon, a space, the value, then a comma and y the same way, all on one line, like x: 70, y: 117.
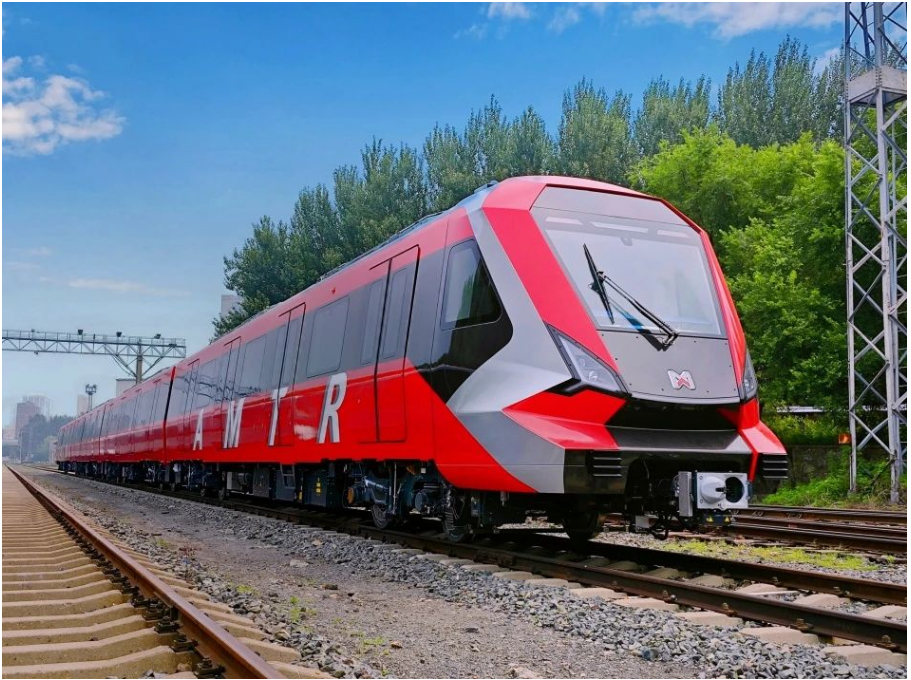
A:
x: 369, y: 644
x: 783, y: 554
x: 298, y: 610
x: 245, y: 590
x: 873, y: 480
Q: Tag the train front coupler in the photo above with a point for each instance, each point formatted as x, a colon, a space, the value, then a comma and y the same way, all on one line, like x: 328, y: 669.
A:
x: 706, y: 498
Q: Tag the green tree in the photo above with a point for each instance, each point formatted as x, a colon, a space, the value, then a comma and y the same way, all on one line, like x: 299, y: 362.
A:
x: 386, y: 194
x: 314, y: 235
x: 771, y: 101
x: 38, y: 433
x: 776, y: 215
x: 489, y: 148
x: 667, y: 112
x: 745, y: 102
x: 595, y: 138
x: 259, y: 272
x: 529, y: 148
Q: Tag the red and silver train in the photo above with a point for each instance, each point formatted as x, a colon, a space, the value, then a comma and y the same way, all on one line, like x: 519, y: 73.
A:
x: 549, y: 345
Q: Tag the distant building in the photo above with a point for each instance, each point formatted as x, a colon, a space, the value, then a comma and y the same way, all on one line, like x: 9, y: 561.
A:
x: 229, y: 303
x: 9, y: 434
x: 82, y: 404
x: 42, y: 402
x: 25, y: 411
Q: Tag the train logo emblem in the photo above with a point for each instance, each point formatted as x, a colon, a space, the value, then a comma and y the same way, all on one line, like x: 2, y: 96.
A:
x: 681, y: 380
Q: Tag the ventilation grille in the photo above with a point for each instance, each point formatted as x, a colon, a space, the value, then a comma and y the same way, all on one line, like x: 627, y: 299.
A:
x: 603, y: 464
x: 773, y: 466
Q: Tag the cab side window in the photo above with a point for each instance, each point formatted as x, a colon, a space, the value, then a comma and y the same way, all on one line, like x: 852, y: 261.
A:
x: 469, y: 297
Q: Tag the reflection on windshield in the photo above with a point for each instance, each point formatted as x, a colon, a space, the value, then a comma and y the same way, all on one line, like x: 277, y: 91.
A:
x: 663, y: 266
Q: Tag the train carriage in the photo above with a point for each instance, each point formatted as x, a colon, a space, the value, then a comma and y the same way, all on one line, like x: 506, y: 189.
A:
x: 549, y: 344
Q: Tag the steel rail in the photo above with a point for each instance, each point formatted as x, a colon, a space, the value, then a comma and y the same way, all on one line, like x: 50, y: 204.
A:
x: 844, y: 586
x: 807, y: 536
x: 213, y: 641
x: 825, y: 514
x: 870, y: 530
x: 824, y: 622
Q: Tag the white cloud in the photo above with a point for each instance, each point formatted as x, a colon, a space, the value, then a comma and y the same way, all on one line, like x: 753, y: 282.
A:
x: 11, y: 65
x: 40, y: 251
x: 508, y: 10
x: 36, y: 61
x: 827, y: 58
x: 20, y: 266
x: 564, y: 17
x: 123, y: 286
x: 39, y: 117
x: 476, y: 31
x: 733, y: 19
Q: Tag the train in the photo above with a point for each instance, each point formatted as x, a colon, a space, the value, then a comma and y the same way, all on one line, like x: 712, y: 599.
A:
x: 550, y: 346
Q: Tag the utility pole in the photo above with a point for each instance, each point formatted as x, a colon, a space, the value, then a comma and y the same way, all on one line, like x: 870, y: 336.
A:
x: 90, y: 390
x: 876, y: 219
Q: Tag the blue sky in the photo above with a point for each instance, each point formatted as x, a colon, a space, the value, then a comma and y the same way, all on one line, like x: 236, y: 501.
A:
x: 141, y: 141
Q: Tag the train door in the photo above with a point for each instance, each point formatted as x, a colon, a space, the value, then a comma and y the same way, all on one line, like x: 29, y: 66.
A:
x: 393, y: 341
x: 281, y: 424
x: 187, y: 421
x: 225, y: 410
x: 361, y: 391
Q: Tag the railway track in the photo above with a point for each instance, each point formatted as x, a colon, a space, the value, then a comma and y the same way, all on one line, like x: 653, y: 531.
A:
x: 76, y: 604
x: 864, y: 537
x: 554, y: 557
x: 826, y: 514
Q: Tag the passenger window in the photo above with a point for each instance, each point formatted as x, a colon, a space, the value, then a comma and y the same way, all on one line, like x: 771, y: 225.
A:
x: 292, y: 349
x: 393, y: 330
x: 144, y: 408
x: 251, y: 372
x: 161, y: 405
x: 269, y: 359
x: 205, y: 384
x: 133, y: 406
x: 226, y: 379
x: 326, y: 340
x: 218, y: 378
x: 372, y: 327
x: 469, y: 297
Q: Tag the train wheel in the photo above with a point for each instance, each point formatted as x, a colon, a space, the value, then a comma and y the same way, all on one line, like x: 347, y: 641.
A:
x: 223, y: 493
x: 381, y: 519
x: 457, y: 518
x: 584, y: 526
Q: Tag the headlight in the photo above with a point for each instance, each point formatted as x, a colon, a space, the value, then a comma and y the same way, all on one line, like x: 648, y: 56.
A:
x: 586, y: 367
x: 748, y: 384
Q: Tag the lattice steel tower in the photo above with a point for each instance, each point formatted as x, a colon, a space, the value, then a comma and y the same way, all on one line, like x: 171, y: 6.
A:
x: 876, y: 216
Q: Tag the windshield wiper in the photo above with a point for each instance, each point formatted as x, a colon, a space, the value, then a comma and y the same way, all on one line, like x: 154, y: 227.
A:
x: 598, y: 282
x: 601, y: 278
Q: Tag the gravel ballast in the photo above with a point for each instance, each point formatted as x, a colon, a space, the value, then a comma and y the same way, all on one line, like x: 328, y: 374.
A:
x: 363, y: 609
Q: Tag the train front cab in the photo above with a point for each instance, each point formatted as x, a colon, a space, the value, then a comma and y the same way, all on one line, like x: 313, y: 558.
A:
x: 632, y: 386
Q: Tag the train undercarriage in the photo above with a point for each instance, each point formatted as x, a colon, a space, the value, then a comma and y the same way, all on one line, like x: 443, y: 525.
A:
x: 656, y: 498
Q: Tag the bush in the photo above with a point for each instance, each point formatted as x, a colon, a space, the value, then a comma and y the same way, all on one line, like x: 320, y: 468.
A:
x: 795, y: 430
x: 873, y: 482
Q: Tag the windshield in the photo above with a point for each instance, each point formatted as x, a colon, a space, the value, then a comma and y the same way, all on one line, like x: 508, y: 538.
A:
x: 663, y: 266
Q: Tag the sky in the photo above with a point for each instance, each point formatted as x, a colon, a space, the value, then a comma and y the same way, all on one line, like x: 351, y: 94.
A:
x: 141, y: 141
